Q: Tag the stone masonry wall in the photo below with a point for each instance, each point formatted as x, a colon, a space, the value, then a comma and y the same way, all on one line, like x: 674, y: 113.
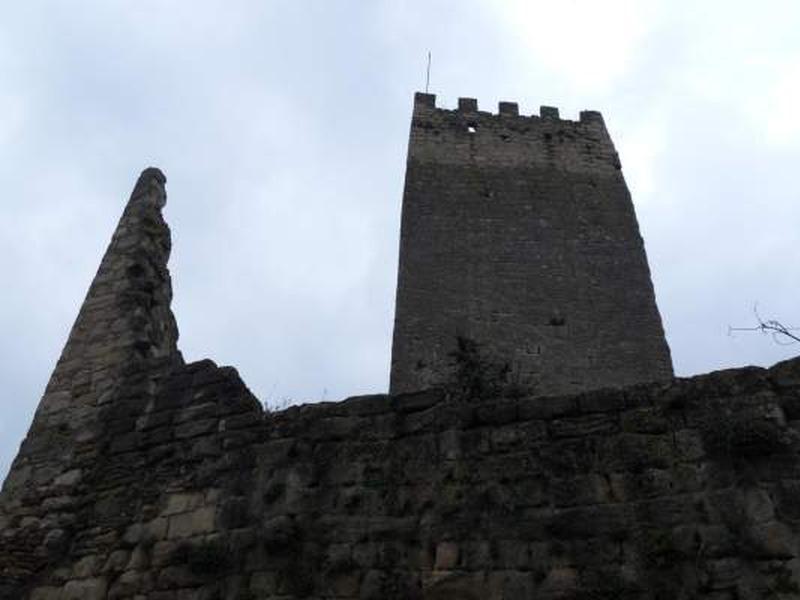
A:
x: 661, y: 491
x: 518, y: 233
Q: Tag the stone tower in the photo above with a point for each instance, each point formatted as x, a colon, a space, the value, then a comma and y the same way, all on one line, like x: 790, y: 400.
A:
x: 518, y: 232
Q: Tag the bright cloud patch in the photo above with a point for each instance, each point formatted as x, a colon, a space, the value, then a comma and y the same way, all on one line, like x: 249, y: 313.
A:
x: 591, y: 44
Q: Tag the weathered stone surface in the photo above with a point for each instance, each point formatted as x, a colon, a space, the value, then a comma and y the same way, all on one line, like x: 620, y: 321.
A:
x: 518, y: 233
x: 446, y: 509
x: 85, y: 589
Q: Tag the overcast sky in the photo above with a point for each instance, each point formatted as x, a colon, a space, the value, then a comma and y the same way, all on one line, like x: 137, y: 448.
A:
x: 282, y: 128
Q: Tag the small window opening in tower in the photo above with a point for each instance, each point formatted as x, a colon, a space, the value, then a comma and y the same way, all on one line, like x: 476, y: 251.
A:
x: 472, y: 128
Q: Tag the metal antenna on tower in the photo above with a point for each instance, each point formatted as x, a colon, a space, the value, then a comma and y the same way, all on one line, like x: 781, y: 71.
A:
x: 428, y: 73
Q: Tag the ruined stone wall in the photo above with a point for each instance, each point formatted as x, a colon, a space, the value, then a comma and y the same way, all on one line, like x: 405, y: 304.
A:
x: 518, y: 232
x: 661, y: 491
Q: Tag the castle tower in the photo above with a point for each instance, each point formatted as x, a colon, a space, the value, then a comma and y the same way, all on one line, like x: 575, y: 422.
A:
x: 518, y: 233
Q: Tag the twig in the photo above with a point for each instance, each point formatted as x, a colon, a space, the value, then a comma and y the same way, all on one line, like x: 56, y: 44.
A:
x: 781, y: 334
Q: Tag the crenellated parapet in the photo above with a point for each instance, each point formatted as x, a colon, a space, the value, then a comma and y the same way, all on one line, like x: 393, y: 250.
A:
x: 508, y: 138
x: 469, y: 106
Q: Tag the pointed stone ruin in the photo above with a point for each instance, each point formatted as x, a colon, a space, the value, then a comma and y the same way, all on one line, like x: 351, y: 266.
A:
x: 123, y: 330
x: 120, y: 351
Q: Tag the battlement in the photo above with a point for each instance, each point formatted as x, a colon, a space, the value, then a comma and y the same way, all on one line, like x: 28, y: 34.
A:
x: 466, y: 135
x: 469, y: 106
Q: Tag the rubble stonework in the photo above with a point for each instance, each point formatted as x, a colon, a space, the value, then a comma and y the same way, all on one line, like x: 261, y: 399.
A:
x: 122, y: 343
x: 145, y: 478
x: 518, y: 233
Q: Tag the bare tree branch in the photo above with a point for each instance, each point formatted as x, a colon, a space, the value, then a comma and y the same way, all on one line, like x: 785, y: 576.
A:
x: 781, y: 334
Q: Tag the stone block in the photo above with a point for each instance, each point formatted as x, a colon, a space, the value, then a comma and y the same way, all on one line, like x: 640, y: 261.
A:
x: 510, y: 584
x: 196, y: 412
x: 447, y: 556
x: 365, y: 554
x: 511, y: 555
x: 560, y: 582
x: 192, y: 429
x: 477, y: 555
x: 278, y: 532
x: 133, y: 534
x: 58, y: 503
x: 68, y: 478
x: 642, y: 484
x: 372, y: 587
x: 644, y: 420
x: 117, y: 561
x: 758, y: 506
x: 163, y: 553
x: 467, y: 105
x: 127, y: 585
x: 499, y: 412
x: 344, y: 585
x: 140, y: 559
x: 509, y: 109
x: 87, y: 566
x: 689, y: 445
x: 175, y: 577
x: 264, y: 583
x: 85, y: 589
x: 155, y: 530
x: 548, y: 112
x: 197, y: 522
x: 593, y: 424
x: 182, y: 502
x: 45, y: 593
x: 580, y: 489
x: 450, y: 444
x: 723, y: 573
x: 241, y: 421
x: 771, y: 540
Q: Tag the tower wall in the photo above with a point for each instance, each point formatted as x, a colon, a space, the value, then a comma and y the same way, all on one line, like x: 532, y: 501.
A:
x: 518, y: 232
